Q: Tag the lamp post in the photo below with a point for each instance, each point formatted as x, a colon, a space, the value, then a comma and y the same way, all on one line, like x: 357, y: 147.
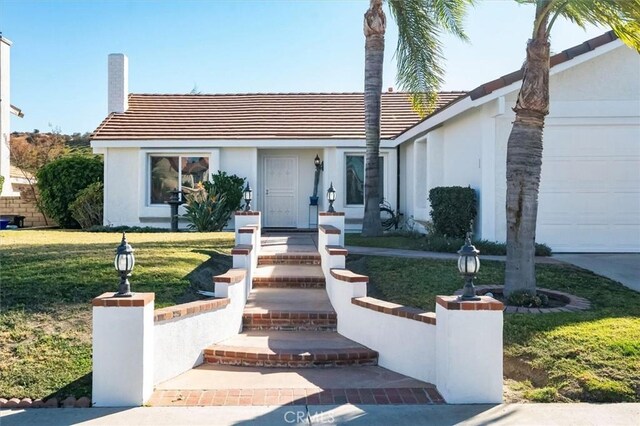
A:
x: 468, y: 265
x: 313, y: 200
x: 175, y: 201
x: 319, y: 164
x: 248, y: 196
x: 331, y: 197
x: 124, y: 263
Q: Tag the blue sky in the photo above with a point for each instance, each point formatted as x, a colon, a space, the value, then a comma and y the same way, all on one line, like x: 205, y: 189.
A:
x: 60, y: 48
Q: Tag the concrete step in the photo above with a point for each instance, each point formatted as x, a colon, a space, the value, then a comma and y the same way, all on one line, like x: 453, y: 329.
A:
x: 293, y: 349
x: 289, y: 276
x: 289, y: 259
x: 289, y: 309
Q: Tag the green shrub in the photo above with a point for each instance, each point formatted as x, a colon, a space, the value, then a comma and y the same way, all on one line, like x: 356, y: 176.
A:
x: 210, y: 206
x: 452, y: 209
x: 60, y: 182
x: 88, y: 205
x: 528, y: 299
x: 1, y: 183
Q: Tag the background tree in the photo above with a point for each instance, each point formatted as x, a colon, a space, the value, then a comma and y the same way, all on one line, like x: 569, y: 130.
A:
x: 524, y: 148
x: 419, y: 55
x: 30, y: 152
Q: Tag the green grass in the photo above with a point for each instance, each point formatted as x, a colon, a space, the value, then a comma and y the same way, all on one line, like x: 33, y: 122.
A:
x: 48, y: 279
x: 437, y: 243
x: 590, y: 356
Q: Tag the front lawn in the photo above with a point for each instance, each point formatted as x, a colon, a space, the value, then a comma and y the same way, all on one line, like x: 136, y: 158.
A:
x: 584, y: 356
x: 48, y: 279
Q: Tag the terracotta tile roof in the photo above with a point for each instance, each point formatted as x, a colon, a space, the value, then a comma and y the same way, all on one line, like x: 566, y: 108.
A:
x: 257, y: 116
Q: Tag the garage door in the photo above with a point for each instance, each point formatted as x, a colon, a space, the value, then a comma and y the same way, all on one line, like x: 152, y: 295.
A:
x: 590, y: 189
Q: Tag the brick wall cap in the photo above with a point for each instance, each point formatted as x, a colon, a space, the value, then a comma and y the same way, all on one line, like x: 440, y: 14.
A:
x: 453, y: 303
x: 189, y: 309
x: 395, y: 309
x: 137, y: 300
x: 331, y: 214
x: 336, y: 250
x: 249, y: 213
x: 329, y: 229
x: 348, y: 276
x: 232, y: 276
x: 242, y: 249
x: 247, y: 229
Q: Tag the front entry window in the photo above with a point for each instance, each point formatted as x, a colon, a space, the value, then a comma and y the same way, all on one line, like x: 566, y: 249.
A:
x: 175, y: 172
x: 355, y: 179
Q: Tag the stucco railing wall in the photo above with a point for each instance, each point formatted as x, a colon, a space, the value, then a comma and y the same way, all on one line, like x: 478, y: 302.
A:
x: 462, y: 359
x: 136, y: 347
x: 179, y: 340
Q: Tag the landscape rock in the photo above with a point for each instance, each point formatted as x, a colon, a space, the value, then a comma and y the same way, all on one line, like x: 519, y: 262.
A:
x: 51, y: 403
x: 3, y: 401
x: 12, y: 403
x: 83, y: 402
x: 37, y: 403
x: 69, y: 402
x: 25, y: 403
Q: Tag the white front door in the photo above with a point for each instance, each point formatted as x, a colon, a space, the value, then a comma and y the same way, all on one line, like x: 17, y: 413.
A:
x: 280, y: 184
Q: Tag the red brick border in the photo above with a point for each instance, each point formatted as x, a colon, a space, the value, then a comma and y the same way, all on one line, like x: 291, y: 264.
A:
x: 232, y: 276
x: 453, y: 303
x: 573, y: 303
x: 249, y: 213
x: 188, y: 309
x: 310, y: 396
x: 137, y: 300
x: 348, y: 276
x: 336, y: 250
x: 331, y: 214
x: 395, y: 309
x: 242, y: 249
x: 329, y: 229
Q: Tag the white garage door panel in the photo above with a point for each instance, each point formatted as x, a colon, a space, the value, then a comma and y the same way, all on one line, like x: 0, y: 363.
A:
x: 590, y: 189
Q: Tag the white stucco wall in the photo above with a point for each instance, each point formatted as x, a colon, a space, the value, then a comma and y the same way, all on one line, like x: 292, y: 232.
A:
x: 590, y: 184
x: 179, y: 343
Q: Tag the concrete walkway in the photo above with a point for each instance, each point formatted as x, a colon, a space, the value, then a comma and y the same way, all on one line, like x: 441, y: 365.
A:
x: 621, y: 267
x: 369, y: 415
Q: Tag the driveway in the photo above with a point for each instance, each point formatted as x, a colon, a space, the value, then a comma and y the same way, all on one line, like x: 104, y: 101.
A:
x: 621, y: 267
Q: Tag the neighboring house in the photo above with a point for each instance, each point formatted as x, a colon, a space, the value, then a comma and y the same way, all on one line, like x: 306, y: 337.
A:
x: 6, y: 109
x: 154, y: 143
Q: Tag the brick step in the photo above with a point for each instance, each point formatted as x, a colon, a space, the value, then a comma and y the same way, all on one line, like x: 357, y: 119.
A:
x: 289, y: 259
x: 289, y: 276
x: 290, y: 321
x: 290, y: 349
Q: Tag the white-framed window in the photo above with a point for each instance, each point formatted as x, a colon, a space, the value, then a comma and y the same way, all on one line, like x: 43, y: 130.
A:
x: 354, y: 179
x: 174, y: 171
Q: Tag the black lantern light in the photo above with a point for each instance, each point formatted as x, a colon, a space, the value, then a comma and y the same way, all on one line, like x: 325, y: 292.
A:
x: 319, y: 164
x: 331, y: 197
x: 468, y: 265
x: 248, y: 196
x: 124, y: 263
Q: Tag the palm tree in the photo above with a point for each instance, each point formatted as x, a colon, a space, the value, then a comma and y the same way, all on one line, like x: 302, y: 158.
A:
x: 524, y: 147
x: 419, y: 55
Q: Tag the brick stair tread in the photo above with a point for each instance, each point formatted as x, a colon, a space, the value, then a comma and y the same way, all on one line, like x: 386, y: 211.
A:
x: 291, y: 343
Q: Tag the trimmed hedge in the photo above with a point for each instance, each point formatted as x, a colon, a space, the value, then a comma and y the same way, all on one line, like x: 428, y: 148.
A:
x: 452, y: 210
x: 60, y: 182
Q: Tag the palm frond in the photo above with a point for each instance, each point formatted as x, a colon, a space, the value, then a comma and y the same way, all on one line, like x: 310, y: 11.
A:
x: 622, y: 16
x: 419, y: 52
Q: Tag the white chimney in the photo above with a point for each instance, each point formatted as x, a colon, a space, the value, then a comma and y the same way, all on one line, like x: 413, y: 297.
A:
x: 118, y: 82
x: 5, y: 118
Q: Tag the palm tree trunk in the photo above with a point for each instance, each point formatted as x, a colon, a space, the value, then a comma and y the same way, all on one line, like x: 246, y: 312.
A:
x: 524, y: 161
x: 374, y: 29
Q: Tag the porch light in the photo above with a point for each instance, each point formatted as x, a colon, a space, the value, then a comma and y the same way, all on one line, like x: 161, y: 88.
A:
x: 124, y: 263
x: 331, y: 197
x: 319, y: 164
x: 468, y: 265
x: 248, y: 196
